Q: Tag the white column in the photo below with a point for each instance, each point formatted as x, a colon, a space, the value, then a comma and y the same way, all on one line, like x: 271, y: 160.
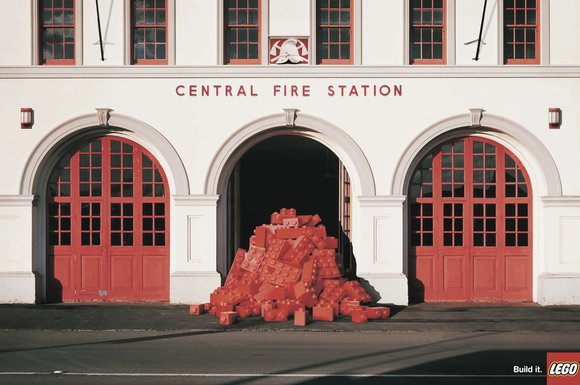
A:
x: 193, y: 248
x: 558, y: 267
x: 17, y: 281
x: 378, y: 247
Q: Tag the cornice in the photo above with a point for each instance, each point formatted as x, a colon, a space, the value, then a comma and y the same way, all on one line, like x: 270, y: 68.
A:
x: 17, y: 200
x: 195, y: 200
x: 561, y: 201
x: 186, y: 72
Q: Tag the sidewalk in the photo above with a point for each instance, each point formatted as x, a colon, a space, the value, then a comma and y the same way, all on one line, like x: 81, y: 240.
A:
x: 415, y: 318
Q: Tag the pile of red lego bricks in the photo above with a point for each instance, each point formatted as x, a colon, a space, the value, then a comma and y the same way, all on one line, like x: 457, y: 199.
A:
x: 289, y: 270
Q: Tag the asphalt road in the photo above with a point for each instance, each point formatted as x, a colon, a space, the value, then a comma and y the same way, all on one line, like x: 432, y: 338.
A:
x: 276, y: 357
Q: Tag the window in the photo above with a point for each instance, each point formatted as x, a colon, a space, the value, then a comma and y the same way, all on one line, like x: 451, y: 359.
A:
x: 242, y: 31
x: 521, y: 32
x: 149, y: 31
x: 57, y: 32
x: 427, y: 32
x: 334, y: 31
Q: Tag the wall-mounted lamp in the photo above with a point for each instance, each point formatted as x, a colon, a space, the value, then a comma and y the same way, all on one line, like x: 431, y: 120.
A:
x: 26, y: 117
x: 554, y: 118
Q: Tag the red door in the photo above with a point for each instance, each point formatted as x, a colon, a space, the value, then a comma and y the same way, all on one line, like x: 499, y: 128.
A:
x: 470, y: 214
x: 108, y: 216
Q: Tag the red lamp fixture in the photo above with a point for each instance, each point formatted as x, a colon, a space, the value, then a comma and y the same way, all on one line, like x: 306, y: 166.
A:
x: 554, y: 118
x: 26, y: 118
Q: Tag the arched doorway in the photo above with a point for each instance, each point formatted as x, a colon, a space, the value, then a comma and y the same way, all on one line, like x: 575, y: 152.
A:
x: 470, y: 224
x: 288, y: 171
x: 108, y: 224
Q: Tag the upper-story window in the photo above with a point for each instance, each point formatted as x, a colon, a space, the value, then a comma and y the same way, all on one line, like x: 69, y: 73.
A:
x: 149, y: 31
x: 242, y: 31
x: 427, y: 32
x: 521, y: 32
x: 334, y: 31
x: 57, y: 32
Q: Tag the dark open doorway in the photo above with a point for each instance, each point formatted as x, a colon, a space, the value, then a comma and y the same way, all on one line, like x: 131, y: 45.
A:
x: 283, y: 172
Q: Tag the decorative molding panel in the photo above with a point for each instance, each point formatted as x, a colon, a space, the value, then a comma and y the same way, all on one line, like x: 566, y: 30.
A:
x: 381, y: 248
x: 570, y: 240
x: 195, y: 238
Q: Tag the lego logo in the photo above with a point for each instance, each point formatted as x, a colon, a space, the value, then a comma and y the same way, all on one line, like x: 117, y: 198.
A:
x: 563, y: 369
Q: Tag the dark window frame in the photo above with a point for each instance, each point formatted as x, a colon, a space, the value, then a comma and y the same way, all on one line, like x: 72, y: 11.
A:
x: 422, y: 32
x: 512, y: 38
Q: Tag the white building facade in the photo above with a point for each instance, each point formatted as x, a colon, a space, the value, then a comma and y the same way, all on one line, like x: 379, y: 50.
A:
x: 135, y: 143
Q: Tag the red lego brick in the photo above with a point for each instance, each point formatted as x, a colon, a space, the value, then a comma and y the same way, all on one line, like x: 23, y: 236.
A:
x: 378, y: 312
x: 226, y: 296
x: 356, y: 291
x: 347, y: 306
x: 290, y: 305
x: 270, y: 292
x: 304, y: 219
x: 305, y: 294
x: 249, y: 286
x: 300, y: 317
x: 290, y: 222
x: 309, y: 271
x: 275, y: 315
x: 228, y: 317
x: 330, y: 243
x: 317, y: 236
x: 260, y: 236
x: 334, y: 305
x: 277, y: 248
x: 302, y: 247
x: 279, y: 273
x: 333, y: 294
x: 236, y: 271
x: 196, y: 309
x: 290, y: 232
x: 253, y: 259
x: 222, y: 307
x: 244, y: 311
x: 266, y: 306
x: 323, y: 313
x: 359, y: 316
x: 278, y: 218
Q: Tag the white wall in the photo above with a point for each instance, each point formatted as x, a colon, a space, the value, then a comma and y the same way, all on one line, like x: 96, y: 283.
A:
x: 383, y: 32
x: 196, y: 32
x: 564, y: 32
x: 15, y: 33
x: 112, y: 29
x: 289, y: 18
x: 468, y: 21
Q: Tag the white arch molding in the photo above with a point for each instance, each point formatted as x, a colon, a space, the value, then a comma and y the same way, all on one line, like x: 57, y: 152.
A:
x: 328, y: 134
x: 86, y: 126
x: 50, y: 149
x: 535, y: 157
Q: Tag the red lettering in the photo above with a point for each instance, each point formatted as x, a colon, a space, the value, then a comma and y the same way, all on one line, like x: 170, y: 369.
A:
x: 252, y: 92
x: 306, y: 91
x: 179, y: 90
x: 353, y: 91
x: 192, y: 90
x: 204, y: 90
x: 276, y: 89
x: 385, y: 90
x: 342, y: 87
x: 330, y: 91
x: 228, y: 90
x: 241, y: 91
x: 398, y: 90
x: 217, y: 88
